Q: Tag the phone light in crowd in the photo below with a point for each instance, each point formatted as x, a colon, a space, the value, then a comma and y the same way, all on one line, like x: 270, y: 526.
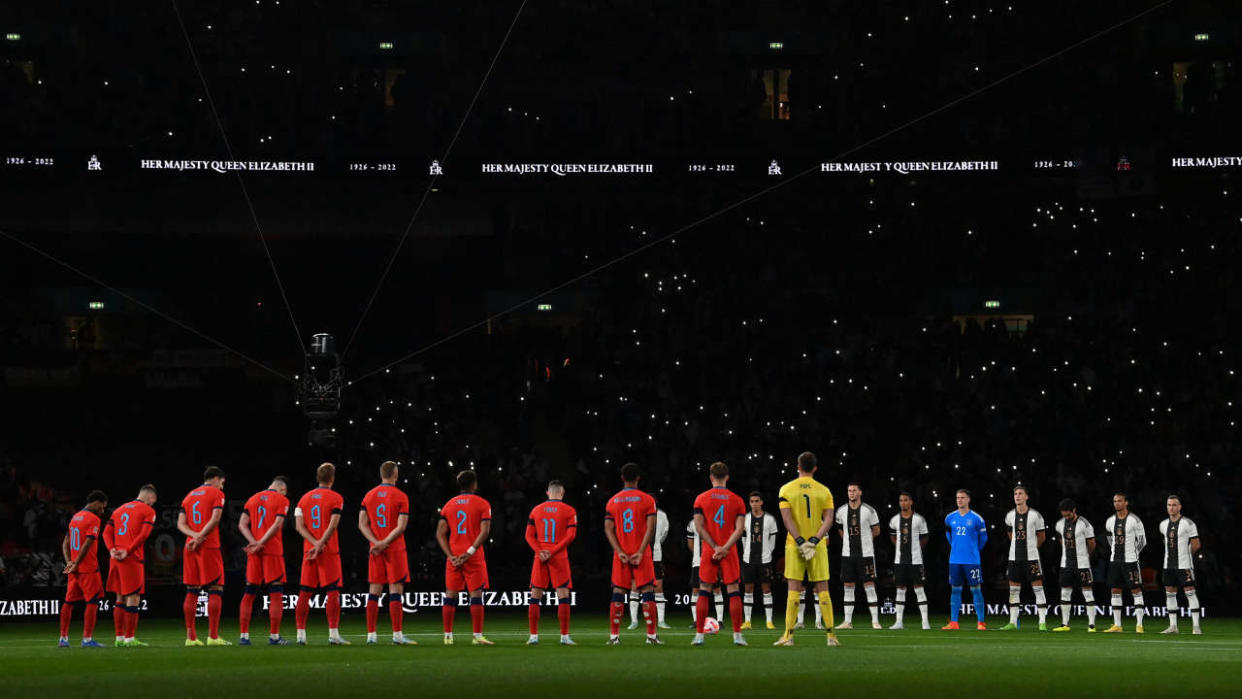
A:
x: 776, y: 45
x: 543, y: 307
x: 13, y: 36
x: 1202, y: 37
x: 991, y: 303
x: 385, y: 46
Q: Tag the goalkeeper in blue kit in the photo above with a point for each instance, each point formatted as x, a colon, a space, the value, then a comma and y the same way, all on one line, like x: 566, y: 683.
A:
x: 967, y: 533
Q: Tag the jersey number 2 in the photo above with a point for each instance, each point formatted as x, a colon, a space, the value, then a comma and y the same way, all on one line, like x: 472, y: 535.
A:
x: 461, y: 521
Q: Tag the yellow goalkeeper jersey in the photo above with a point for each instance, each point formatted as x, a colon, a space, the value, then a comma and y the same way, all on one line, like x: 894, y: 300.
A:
x: 807, y: 499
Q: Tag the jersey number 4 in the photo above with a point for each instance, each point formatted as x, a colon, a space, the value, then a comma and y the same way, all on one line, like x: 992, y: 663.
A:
x: 719, y: 518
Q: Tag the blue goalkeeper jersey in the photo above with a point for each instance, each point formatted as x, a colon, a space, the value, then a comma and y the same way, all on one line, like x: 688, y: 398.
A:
x: 967, y: 533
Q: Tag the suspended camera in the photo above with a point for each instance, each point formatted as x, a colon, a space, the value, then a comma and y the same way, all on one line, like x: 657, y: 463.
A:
x: 319, y: 389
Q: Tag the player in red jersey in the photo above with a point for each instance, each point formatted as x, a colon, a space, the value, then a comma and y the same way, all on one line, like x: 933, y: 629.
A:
x: 260, y: 524
x: 465, y: 523
x: 81, y: 551
x: 551, y: 527
x: 629, y: 524
x: 720, y: 520
x: 382, y: 521
x: 317, y: 516
x: 124, y: 534
x: 202, y: 563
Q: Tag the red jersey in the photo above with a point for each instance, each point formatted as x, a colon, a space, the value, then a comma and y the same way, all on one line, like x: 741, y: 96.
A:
x: 316, y: 509
x: 384, y: 504
x: 720, y: 508
x: 129, y: 527
x: 198, y: 507
x: 267, y: 509
x: 465, y: 515
x: 629, y: 509
x: 551, y: 527
x: 84, y: 526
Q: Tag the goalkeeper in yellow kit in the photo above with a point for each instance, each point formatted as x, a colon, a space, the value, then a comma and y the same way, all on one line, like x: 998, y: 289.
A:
x: 807, y: 509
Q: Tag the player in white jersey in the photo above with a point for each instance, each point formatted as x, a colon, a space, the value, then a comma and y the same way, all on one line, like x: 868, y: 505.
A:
x: 859, y: 525
x: 657, y: 561
x: 908, y: 532
x: 1077, y: 544
x: 1027, y: 531
x: 692, y: 540
x: 758, y: 543
x: 1126, y: 538
x: 1181, y: 543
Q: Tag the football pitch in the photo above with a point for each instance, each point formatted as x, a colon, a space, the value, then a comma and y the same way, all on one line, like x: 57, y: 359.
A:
x: 915, y: 663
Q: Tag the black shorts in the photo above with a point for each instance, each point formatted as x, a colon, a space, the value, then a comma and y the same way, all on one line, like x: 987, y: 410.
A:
x: 1174, y: 577
x: 659, y: 569
x: 696, y: 583
x: 1124, y: 576
x: 1024, y: 572
x: 1081, y: 577
x: 858, y: 570
x: 756, y: 573
x: 909, y: 574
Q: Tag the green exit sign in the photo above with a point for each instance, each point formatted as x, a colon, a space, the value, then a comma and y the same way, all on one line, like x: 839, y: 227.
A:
x: 1202, y: 37
x: 96, y: 305
x: 776, y: 45
x: 543, y: 307
x: 13, y: 36
x: 385, y: 46
x: 991, y: 303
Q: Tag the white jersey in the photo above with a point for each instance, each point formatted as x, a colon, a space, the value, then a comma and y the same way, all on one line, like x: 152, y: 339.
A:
x: 1126, y: 538
x: 1024, y: 532
x: 692, y: 535
x: 1177, y: 536
x: 1075, y: 554
x: 909, y: 533
x: 657, y: 544
x: 856, y: 527
x: 759, y: 539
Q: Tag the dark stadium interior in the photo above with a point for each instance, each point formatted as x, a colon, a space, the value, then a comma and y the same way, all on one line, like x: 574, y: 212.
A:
x: 1065, y: 320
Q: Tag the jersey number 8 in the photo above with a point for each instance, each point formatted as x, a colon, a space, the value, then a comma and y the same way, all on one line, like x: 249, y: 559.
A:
x: 627, y: 521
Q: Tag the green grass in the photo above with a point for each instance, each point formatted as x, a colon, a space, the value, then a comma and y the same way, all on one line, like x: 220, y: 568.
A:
x: 913, y: 663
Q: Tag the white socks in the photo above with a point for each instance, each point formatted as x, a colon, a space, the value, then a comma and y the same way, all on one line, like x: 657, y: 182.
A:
x: 301, y: 635
x: 660, y: 602
x: 719, y: 606
x: 633, y: 607
x: 1139, y: 608
x: 1192, y: 596
x: 1089, y: 598
x: 767, y: 606
x: 871, y: 600
x: 921, y: 596
x: 748, y: 601
x: 1041, y: 603
x: 1015, y: 596
x: 849, y: 605
x: 901, y: 604
x: 1117, y: 609
x: 1170, y: 599
x: 1067, y: 594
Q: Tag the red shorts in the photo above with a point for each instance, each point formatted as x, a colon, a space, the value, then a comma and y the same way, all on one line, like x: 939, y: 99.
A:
x: 551, y: 574
x: 202, y: 567
x: 265, y: 569
x: 322, y: 572
x: 471, y: 576
x: 726, y: 570
x: 84, y: 587
x: 388, y: 568
x: 626, y: 576
x: 127, y: 577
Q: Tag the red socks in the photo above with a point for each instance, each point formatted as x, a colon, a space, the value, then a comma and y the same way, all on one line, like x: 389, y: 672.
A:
x: 334, y: 609
x: 131, y: 621
x: 88, y: 620
x: 448, y: 612
x: 649, y: 611
x: 302, y: 611
x: 701, y: 608
x: 66, y: 615
x: 615, y: 612
x: 476, y: 617
x: 562, y: 613
x: 215, y: 605
x: 276, y: 603
x: 118, y: 619
x: 532, y: 616
x: 735, y: 612
x: 243, y: 615
x: 372, y: 612
x: 394, y: 613
x: 189, y: 607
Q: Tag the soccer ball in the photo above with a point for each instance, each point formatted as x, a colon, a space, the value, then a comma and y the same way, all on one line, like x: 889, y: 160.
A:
x: 711, y: 626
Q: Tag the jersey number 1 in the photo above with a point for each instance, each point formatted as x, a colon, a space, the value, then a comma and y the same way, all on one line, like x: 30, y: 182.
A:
x: 807, y: 498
